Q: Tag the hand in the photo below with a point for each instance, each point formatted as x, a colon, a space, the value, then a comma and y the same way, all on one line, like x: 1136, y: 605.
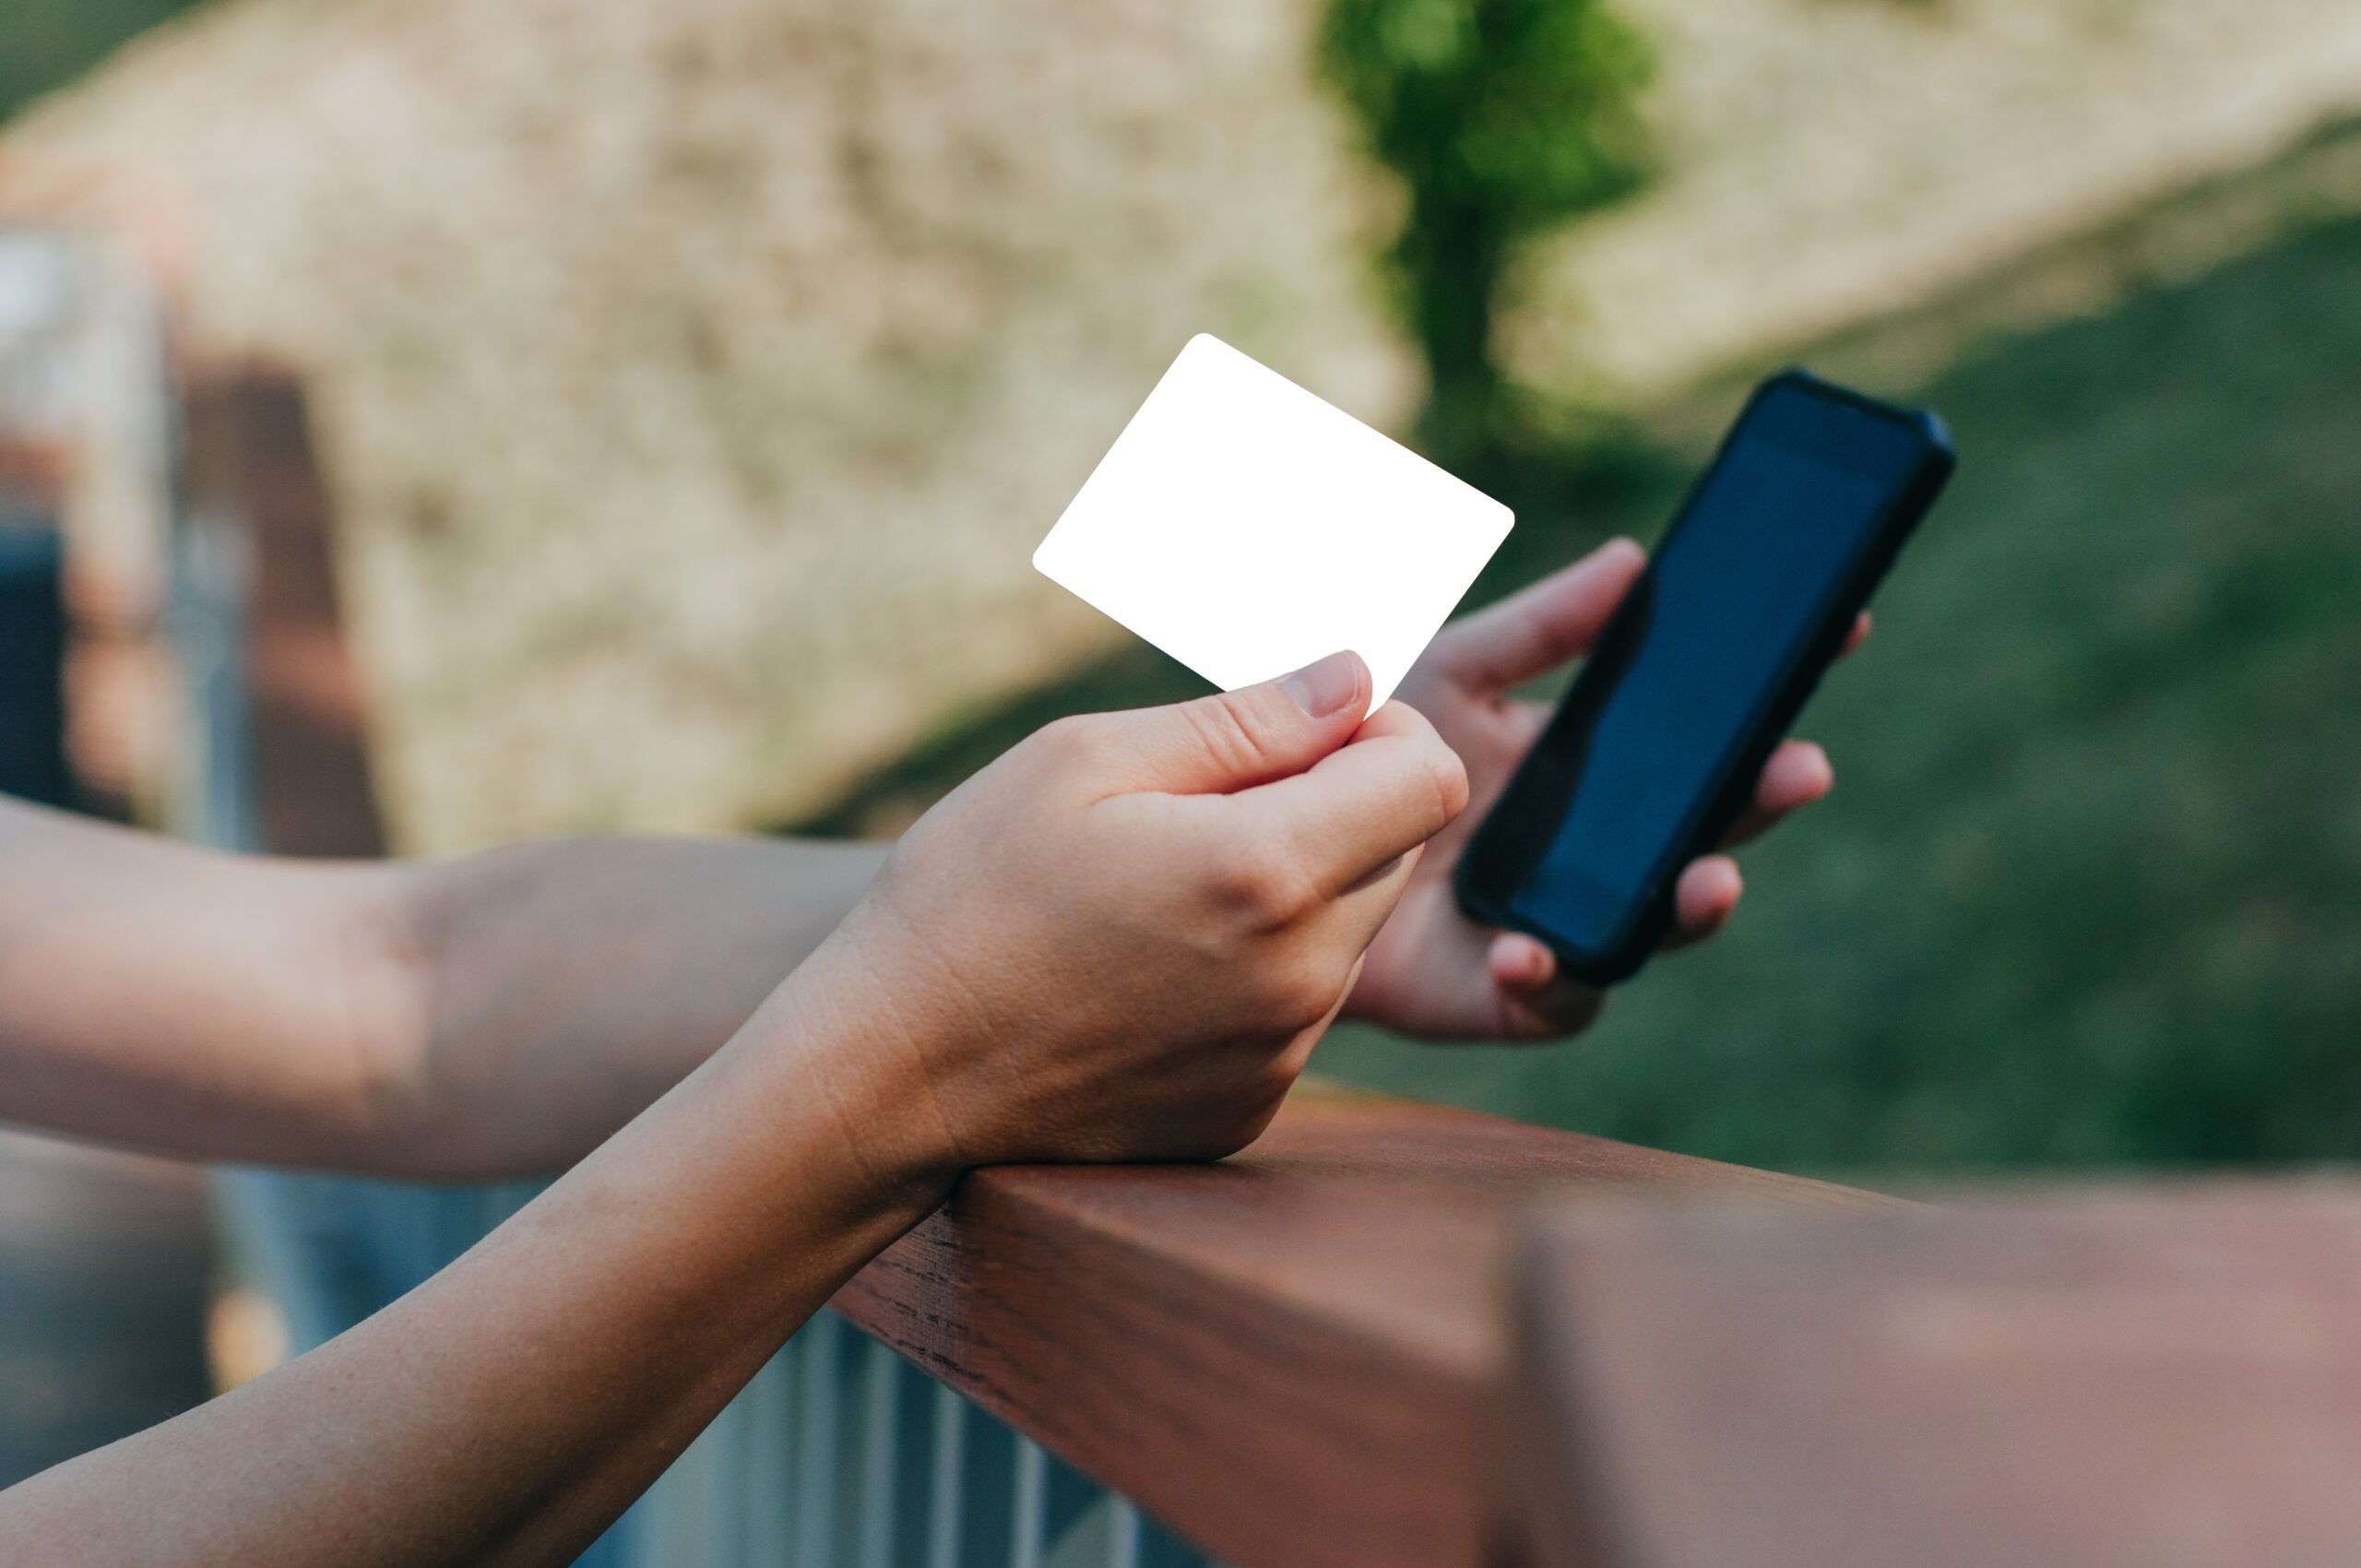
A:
x: 1120, y: 940
x: 1433, y: 972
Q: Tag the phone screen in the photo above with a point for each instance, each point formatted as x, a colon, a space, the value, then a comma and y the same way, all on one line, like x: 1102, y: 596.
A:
x: 1738, y: 591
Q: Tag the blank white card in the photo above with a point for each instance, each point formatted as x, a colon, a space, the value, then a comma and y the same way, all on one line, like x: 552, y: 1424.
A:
x: 1247, y: 529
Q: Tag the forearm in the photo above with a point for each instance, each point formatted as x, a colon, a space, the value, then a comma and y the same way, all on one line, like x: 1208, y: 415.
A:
x: 509, y: 1410
x: 157, y: 994
x: 563, y: 986
x: 495, y: 1015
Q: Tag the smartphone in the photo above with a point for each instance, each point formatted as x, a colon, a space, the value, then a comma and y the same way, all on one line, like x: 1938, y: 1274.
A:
x: 1657, y: 747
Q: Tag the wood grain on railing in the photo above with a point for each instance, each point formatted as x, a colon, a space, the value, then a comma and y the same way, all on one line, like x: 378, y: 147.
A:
x: 2097, y: 1380
x: 1295, y: 1356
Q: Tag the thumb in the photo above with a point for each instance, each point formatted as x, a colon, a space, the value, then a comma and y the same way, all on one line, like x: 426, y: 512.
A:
x: 1236, y: 739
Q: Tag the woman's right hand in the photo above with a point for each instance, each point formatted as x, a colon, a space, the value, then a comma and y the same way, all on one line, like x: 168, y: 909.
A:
x: 1121, y: 939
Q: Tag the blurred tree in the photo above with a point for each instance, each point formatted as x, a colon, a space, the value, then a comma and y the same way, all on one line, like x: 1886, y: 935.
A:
x: 1503, y: 118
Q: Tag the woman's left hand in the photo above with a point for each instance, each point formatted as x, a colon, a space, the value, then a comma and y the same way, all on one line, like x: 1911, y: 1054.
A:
x: 1433, y: 972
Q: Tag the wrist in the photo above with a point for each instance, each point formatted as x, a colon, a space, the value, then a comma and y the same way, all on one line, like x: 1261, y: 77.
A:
x: 842, y: 1040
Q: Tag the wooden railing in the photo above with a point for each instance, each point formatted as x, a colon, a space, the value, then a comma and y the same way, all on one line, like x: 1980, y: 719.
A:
x: 2063, y: 1379
x: 1300, y: 1355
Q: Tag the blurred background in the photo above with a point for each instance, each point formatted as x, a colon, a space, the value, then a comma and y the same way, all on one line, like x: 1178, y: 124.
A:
x: 693, y: 381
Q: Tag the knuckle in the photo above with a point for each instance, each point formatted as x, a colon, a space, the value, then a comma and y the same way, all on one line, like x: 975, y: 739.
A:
x: 1286, y: 889
x: 1446, y: 776
x: 1234, y: 878
x: 1435, y: 782
x: 1304, y: 998
x: 1069, y: 744
x: 1264, y: 885
x: 1230, y: 731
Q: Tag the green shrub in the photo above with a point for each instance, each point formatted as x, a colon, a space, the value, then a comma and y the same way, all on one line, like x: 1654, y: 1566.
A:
x: 1502, y: 118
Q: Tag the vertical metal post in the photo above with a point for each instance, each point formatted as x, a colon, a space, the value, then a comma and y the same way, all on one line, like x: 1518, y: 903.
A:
x: 816, y: 1444
x: 767, y: 1477
x: 1123, y: 1533
x: 946, y: 1512
x: 880, y: 1454
x: 1029, y: 1489
x: 717, y: 1530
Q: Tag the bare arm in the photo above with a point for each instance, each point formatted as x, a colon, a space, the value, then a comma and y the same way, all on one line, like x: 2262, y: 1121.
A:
x: 496, y: 1014
x: 507, y: 1410
x: 563, y: 986
x: 1119, y: 942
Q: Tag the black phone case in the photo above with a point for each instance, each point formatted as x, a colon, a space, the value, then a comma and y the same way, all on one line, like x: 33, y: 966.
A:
x: 1771, y: 719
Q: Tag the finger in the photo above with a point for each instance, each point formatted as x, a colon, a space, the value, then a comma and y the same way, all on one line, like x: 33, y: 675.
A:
x: 1395, y: 786
x: 1857, y: 636
x: 1797, y: 774
x: 1560, y: 1008
x: 1534, y: 1001
x: 1703, y: 899
x: 1235, y: 740
x: 1534, y: 630
x: 1519, y: 963
x: 1526, y: 720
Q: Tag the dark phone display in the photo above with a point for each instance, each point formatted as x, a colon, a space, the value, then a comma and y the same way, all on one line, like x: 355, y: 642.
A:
x: 1733, y: 594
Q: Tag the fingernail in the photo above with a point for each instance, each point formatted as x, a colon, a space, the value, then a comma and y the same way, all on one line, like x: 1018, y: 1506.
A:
x: 1321, y: 689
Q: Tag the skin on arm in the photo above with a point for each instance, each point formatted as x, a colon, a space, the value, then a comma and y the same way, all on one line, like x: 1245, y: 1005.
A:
x: 492, y: 1016
x: 562, y: 987
x: 1119, y: 941
x: 156, y: 994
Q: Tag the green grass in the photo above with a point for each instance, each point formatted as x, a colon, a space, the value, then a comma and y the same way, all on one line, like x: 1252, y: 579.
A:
x: 2089, y: 891
x: 45, y: 43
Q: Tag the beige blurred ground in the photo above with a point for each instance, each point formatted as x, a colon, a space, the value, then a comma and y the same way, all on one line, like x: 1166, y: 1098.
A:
x: 1833, y: 159
x: 698, y: 376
